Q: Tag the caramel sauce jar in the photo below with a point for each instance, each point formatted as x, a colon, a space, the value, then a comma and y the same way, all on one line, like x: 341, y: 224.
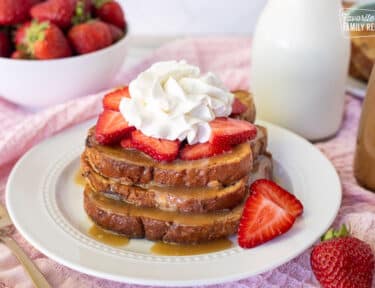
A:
x: 364, y: 161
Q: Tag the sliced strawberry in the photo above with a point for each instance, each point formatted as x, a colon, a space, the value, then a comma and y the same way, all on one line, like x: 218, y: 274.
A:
x: 112, y: 99
x: 126, y: 143
x: 202, y: 150
x: 159, y: 149
x: 229, y: 132
x: 111, y: 127
x: 238, y: 107
x: 278, y: 195
x: 261, y: 221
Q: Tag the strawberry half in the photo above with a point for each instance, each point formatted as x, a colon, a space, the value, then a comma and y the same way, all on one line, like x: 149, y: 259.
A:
x: 111, y: 127
x: 112, y: 99
x: 159, y: 149
x: 278, y: 195
x: 266, y: 214
x: 229, y: 132
x: 238, y: 107
x: 203, y: 150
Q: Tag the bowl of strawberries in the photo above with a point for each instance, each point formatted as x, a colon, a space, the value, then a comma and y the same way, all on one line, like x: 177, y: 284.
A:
x: 54, y: 50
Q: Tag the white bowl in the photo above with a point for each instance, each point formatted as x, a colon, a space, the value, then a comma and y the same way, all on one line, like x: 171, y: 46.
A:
x: 38, y: 84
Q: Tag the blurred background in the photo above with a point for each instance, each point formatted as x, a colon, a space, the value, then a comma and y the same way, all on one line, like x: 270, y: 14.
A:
x: 192, y: 17
x: 151, y: 25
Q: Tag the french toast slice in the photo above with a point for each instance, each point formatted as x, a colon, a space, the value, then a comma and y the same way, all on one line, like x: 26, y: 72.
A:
x: 134, y: 167
x: 259, y: 144
x: 247, y: 99
x: 180, y: 199
x: 262, y: 168
x: 168, y: 226
x: 158, y: 225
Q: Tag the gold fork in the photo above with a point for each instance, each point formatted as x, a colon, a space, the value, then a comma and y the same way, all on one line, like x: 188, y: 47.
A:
x: 5, y: 230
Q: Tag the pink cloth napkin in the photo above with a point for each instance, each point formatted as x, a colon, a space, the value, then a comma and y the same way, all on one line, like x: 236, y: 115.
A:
x: 228, y: 57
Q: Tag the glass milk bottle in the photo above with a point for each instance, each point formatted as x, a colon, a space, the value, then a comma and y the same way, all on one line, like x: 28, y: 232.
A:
x: 300, y: 60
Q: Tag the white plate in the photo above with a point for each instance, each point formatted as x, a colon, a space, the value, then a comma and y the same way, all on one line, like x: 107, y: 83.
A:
x: 356, y: 88
x: 46, y: 207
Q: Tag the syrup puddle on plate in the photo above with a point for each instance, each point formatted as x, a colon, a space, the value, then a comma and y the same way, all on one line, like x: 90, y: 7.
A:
x: 165, y: 249
x: 106, y: 237
x: 79, y: 179
x: 160, y: 248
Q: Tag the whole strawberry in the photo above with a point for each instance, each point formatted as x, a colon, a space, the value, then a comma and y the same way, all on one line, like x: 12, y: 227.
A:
x: 62, y: 13
x: 342, y: 261
x: 5, y: 44
x: 20, y: 35
x: 90, y: 36
x: 14, y: 11
x: 111, y: 12
x: 42, y: 40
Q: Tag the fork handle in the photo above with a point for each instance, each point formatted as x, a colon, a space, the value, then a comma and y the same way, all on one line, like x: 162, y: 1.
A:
x: 36, y: 276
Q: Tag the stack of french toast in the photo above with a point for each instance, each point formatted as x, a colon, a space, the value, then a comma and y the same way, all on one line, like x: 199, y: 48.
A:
x: 191, y: 199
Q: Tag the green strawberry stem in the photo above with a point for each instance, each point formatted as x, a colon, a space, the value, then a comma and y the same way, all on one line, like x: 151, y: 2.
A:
x: 331, y: 233
x: 79, y: 15
x: 35, y: 33
x: 100, y: 3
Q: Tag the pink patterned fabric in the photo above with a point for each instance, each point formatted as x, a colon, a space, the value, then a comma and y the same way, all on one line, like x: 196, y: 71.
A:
x: 20, y: 130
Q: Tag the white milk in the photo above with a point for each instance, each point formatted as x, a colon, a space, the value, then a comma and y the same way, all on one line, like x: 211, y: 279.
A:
x: 300, y: 61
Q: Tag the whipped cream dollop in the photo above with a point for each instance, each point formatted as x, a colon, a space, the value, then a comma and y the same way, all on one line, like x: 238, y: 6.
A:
x: 172, y: 100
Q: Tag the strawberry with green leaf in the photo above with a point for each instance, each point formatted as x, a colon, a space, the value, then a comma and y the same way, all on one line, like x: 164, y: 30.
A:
x: 341, y: 260
x: 62, y: 13
x: 42, y: 40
